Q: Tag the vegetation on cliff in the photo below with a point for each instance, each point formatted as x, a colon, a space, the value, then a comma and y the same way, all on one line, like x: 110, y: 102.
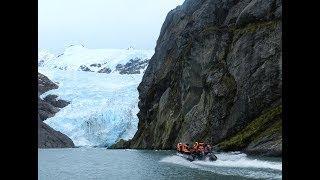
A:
x: 266, y: 125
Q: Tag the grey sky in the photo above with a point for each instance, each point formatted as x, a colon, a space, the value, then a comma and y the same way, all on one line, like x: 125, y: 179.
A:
x: 101, y: 23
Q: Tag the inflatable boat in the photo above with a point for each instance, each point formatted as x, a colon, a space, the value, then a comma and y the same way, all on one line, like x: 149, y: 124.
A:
x: 199, y: 151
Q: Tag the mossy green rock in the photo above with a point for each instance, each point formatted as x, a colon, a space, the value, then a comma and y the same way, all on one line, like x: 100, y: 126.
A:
x: 266, y: 127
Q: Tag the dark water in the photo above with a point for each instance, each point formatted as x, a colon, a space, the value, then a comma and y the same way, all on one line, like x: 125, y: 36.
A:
x: 99, y: 163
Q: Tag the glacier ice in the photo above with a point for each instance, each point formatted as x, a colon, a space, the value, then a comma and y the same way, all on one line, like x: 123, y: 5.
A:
x: 102, y: 107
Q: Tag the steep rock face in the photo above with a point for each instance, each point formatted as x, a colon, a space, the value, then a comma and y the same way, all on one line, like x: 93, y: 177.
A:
x: 45, y: 109
x: 50, y: 138
x: 216, y: 68
x: 48, y: 107
x: 45, y: 84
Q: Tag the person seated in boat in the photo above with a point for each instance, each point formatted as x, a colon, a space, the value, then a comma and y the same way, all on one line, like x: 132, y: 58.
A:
x: 200, y: 148
x: 179, y: 147
x: 195, y: 147
x: 185, y: 149
x: 207, y: 148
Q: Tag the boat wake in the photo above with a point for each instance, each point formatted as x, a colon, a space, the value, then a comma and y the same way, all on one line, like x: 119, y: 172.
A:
x: 235, y: 163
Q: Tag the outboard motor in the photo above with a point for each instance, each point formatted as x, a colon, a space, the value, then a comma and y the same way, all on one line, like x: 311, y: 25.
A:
x: 212, y: 157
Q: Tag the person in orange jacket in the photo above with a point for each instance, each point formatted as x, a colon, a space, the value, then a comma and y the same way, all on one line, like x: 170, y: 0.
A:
x: 195, y: 147
x: 179, y: 147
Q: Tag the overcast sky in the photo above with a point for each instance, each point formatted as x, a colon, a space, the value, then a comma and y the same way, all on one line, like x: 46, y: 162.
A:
x: 101, y: 23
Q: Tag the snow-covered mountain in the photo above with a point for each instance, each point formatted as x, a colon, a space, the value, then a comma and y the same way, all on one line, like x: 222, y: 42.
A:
x: 44, y: 56
x: 101, y: 85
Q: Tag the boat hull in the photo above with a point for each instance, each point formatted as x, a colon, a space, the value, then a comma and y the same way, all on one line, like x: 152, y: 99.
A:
x: 201, y: 157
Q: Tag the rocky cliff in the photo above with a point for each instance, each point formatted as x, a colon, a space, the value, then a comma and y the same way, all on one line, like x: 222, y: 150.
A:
x: 48, y: 107
x: 215, y: 77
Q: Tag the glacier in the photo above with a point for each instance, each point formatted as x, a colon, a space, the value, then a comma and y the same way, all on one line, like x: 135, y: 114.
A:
x: 103, y: 106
